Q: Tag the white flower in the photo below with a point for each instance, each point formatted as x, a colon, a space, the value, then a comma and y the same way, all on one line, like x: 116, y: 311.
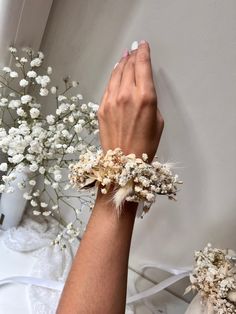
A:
x: 33, y: 203
x: 80, y: 97
x: 31, y: 74
x: 36, y: 212
x: 72, y: 107
x: 43, y: 80
x: 71, y: 119
x: 23, y: 60
x: 41, y: 55
x: 93, y: 106
x: 32, y: 182
x: 62, y: 108
x: 92, y: 115
x: 33, y: 167
x: 21, y: 112
x: 47, y: 213
x: 14, y: 103
x: 12, y: 49
x: 21, y: 185
x: 57, y: 177
x: 70, y: 150
x: 145, y: 157
x: 3, y: 166
x: 55, y: 207
x: 84, y: 108
x: 49, y: 70
x: 55, y: 185
x: 23, y: 83
x: 61, y: 97
x: 50, y: 119
x: 36, y: 62
x: 17, y: 158
x: 42, y: 170
x: 74, y: 83
x: 26, y: 99
x: 66, y: 187
x: 27, y: 196
x: 10, y: 189
x: 53, y: 90
x: 13, y: 74
x: 43, y: 91
x: 6, y: 69
x: 47, y: 182
x: 43, y: 205
x: 2, y: 188
x: 34, y: 113
x: 4, y: 100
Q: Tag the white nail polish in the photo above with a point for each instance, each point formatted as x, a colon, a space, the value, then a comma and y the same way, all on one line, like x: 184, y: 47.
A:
x: 134, y: 45
x: 116, y: 65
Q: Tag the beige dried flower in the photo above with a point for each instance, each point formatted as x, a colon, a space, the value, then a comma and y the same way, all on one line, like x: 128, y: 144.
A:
x: 135, y: 179
x: 214, y: 276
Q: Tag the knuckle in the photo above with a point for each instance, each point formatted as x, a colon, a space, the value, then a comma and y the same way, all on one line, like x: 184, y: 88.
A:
x: 148, y: 96
x: 123, y: 97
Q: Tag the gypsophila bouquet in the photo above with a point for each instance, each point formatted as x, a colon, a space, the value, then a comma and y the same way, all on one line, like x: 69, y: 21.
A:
x: 42, y: 144
x: 214, y: 276
x: 134, y: 179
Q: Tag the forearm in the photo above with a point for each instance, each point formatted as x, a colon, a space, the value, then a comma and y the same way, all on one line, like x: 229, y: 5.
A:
x: 98, y: 278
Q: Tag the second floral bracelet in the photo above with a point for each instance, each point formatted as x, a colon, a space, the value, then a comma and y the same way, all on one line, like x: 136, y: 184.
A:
x: 134, y: 179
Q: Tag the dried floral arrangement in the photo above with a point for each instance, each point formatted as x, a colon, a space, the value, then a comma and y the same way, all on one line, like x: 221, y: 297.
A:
x: 214, y: 277
x: 42, y: 144
x: 134, y: 179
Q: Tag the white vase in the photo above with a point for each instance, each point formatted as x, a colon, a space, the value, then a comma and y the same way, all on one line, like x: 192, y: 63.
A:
x: 12, y: 205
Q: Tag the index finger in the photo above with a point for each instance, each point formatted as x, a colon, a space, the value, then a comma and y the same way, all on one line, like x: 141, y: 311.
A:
x: 143, y: 67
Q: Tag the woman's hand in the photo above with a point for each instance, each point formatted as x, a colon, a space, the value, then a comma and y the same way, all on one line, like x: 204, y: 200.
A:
x: 128, y: 115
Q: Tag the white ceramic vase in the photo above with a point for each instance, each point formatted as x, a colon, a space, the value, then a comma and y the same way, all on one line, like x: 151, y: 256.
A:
x: 12, y: 205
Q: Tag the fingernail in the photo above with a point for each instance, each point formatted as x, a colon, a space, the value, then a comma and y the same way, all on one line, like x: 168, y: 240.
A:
x: 142, y: 42
x: 116, y: 65
x: 126, y: 53
x: 134, y: 45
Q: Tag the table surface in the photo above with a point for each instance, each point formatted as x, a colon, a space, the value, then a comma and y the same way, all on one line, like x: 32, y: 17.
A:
x: 13, y: 297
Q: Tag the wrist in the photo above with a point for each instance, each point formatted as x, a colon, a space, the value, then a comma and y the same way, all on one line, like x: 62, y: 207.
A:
x: 105, y: 202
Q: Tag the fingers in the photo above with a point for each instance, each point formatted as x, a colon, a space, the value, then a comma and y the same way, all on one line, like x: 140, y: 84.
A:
x: 128, y: 77
x: 143, y: 67
x: 117, y: 73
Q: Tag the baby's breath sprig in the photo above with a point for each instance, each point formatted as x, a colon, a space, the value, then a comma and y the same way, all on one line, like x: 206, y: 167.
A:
x: 42, y: 144
x: 134, y: 179
x: 214, y: 277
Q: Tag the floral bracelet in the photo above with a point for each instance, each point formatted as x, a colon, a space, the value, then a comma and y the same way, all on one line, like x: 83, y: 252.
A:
x: 134, y: 179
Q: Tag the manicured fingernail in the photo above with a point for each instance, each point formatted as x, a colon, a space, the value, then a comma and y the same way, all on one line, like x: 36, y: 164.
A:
x: 142, y: 42
x: 134, y: 45
x: 126, y: 53
x: 116, y: 65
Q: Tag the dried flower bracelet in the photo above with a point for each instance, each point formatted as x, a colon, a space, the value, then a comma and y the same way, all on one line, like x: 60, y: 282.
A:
x: 134, y: 179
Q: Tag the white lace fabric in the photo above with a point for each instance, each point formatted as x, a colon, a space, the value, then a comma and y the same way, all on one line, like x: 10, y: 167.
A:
x: 34, y: 236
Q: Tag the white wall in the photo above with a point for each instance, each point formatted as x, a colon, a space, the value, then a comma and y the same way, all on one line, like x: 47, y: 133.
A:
x: 194, y: 59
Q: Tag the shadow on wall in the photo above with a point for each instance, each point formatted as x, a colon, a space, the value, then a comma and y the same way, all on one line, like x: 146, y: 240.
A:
x: 95, y: 31
x: 173, y: 222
